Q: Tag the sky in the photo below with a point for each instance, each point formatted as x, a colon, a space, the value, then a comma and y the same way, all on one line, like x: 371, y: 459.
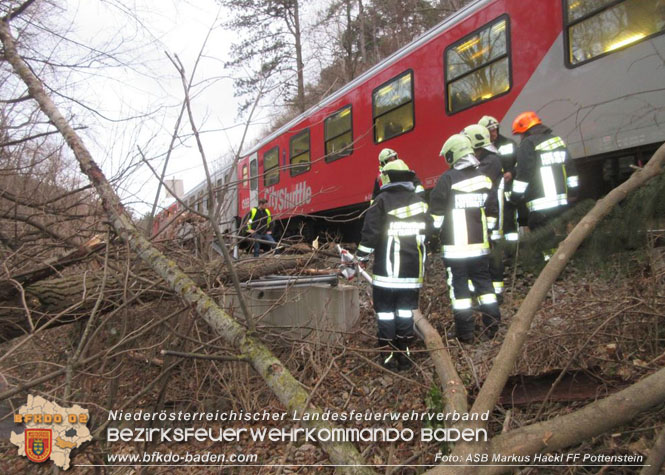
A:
x: 148, y: 89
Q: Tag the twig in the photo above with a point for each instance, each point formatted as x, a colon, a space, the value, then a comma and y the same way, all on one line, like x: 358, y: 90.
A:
x: 203, y: 356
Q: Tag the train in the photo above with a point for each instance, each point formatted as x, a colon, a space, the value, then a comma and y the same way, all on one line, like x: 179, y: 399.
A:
x: 593, y: 70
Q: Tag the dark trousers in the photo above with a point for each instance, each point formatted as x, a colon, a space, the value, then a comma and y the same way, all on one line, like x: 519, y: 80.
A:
x: 475, y: 269
x: 497, y: 268
x: 263, y: 237
x: 510, y: 224
x: 540, y: 218
x: 394, y: 312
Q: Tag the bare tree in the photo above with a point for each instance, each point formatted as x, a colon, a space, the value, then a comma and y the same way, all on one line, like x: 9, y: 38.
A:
x: 274, y: 373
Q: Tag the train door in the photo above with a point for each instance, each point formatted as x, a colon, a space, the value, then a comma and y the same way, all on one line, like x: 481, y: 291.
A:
x: 254, y: 180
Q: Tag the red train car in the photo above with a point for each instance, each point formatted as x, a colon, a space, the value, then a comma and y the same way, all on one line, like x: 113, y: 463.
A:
x: 593, y: 70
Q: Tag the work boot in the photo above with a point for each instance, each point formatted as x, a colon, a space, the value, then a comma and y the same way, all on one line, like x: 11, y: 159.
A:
x: 466, y: 339
x: 404, y: 362
x: 403, y: 354
x: 387, y: 356
x: 388, y: 360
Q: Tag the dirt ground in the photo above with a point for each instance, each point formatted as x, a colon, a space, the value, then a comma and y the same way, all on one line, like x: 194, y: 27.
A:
x: 602, y: 329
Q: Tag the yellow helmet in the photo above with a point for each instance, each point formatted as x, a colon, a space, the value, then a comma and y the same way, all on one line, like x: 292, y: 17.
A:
x: 456, y: 147
x: 478, y: 135
x: 395, y: 165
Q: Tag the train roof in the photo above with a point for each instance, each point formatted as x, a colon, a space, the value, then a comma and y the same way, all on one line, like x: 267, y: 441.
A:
x: 400, y: 53
x: 221, y: 173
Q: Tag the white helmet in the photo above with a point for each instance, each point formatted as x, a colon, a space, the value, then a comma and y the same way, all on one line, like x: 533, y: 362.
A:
x: 489, y: 122
x: 385, y: 155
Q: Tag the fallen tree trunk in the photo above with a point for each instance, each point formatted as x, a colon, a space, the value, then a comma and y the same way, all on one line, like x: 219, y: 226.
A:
x: 287, y: 389
x: 10, y: 288
x: 517, y: 332
x: 517, y: 335
x: 656, y: 457
x: 255, y: 268
x: 592, y: 420
x: 68, y: 299
x: 453, y: 389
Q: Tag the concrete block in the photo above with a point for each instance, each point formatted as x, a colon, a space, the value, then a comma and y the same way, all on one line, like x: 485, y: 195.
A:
x: 316, y: 313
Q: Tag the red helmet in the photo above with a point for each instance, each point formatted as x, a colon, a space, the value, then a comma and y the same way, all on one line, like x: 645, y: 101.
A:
x: 525, y: 121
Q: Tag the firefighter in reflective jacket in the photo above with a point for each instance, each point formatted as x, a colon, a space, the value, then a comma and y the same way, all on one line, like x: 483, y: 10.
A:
x: 490, y: 166
x: 546, y: 178
x: 386, y: 156
x: 394, y: 230
x: 462, y: 205
x: 507, y: 150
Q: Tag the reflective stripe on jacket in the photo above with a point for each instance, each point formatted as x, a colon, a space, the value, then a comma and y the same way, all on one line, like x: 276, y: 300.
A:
x: 261, y: 223
x: 506, y: 148
x: 460, y: 203
x: 395, y: 229
x: 545, y: 172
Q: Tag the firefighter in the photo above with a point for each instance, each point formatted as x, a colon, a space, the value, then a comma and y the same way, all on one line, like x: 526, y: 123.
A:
x: 545, y: 176
x: 506, y: 149
x: 259, y: 225
x: 490, y: 166
x: 394, y: 230
x: 462, y: 206
x: 386, y: 156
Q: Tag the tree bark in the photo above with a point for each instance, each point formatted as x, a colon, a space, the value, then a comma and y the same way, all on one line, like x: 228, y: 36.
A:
x: 300, y: 66
x: 517, y: 332
x: 595, y: 418
x: 50, y: 267
x: 567, y: 430
x: 287, y: 389
x: 58, y: 298
x: 453, y: 389
x: 590, y: 421
x: 656, y: 457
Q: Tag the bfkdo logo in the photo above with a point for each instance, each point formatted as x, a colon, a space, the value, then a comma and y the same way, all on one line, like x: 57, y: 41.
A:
x: 51, y: 431
x: 38, y: 444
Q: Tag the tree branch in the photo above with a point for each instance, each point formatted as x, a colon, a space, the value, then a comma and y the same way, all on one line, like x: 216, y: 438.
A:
x: 517, y: 332
x: 277, y: 377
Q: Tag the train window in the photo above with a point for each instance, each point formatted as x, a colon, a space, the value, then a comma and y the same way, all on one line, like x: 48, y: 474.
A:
x: 271, y: 167
x: 598, y: 27
x: 300, y: 162
x: 478, y: 66
x: 245, y: 175
x: 392, y: 107
x: 253, y: 174
x: 338, y: 134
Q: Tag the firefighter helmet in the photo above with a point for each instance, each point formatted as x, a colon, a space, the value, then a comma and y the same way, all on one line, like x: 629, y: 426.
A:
x: 396, y: 165
x: 456, y: 147
x: 525, y: 121
x: 478, y: 135
x: 489, y: 122
x: 385, y: 155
